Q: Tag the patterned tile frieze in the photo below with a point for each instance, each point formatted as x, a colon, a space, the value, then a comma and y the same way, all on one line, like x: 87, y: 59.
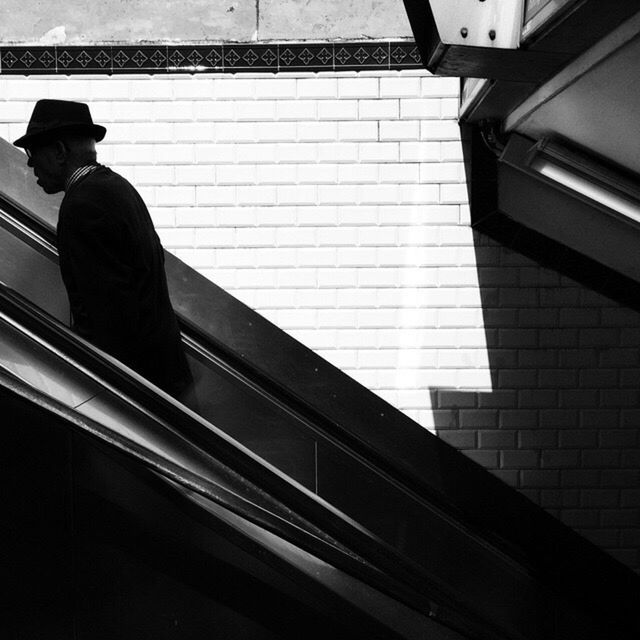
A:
x: 227, y: 58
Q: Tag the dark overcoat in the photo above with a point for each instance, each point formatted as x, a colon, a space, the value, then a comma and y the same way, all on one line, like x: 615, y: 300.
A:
x: 112, y: 265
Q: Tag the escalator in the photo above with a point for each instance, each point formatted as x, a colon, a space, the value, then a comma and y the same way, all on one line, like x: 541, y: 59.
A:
x: 112, y: 516
x: 306, y: 491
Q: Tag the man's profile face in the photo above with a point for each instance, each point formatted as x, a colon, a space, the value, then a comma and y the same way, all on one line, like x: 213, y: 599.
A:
x: 47, y: 167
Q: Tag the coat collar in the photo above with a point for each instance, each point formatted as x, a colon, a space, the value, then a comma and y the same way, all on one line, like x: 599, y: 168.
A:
x: 79, y: 174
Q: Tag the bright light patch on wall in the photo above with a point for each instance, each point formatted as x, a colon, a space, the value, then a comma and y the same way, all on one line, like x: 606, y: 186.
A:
x: 441, y: 340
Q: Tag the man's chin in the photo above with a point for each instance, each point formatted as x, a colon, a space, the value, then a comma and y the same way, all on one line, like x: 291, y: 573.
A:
x: 48, y: 188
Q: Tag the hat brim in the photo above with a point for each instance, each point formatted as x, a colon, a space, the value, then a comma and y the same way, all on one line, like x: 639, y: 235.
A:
x: 95, y: 131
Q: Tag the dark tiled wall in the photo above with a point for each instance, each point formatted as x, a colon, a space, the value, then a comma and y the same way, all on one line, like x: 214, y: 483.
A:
x: 562, y: 423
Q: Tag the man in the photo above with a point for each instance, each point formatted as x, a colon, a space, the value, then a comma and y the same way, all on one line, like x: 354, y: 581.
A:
x: 111, y: 260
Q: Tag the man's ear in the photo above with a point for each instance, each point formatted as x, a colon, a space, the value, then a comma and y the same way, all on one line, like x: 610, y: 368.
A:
x: 61, y: 151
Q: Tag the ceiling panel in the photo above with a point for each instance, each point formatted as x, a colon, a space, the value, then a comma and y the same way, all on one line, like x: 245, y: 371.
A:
x: 599, y: 110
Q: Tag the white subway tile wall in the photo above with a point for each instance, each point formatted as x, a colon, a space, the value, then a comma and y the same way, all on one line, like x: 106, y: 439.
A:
x: 336, y: 206
x: 315, y: 183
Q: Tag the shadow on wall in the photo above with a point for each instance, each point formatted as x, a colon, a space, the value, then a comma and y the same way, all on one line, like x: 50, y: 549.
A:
x: 562, y: 423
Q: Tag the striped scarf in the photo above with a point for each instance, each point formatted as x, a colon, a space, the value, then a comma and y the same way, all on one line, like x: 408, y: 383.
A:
x: 79, y: 173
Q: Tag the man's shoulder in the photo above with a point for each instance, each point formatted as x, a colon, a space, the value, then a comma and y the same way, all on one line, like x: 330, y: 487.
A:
x: 102, y: 186
x: 102, y: 178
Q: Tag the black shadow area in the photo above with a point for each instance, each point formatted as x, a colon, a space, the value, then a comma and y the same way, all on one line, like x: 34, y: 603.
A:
x: 562, y: 421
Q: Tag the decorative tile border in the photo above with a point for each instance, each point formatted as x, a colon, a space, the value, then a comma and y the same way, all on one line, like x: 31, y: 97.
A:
x: 219, y: 58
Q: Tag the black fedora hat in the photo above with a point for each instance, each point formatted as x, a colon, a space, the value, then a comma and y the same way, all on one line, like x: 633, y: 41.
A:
x: 52, y: 117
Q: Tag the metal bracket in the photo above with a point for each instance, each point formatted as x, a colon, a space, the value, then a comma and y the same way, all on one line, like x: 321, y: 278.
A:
x: 479, y: 23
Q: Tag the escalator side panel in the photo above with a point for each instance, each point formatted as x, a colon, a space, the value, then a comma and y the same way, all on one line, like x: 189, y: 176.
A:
x: 37, y: 524
x: 69, y: 386
x: 102, y: 548
x: 77, y: 571
x: 261, y: 426
x: 35, y: 275
x: 192, y: 573
x: 46, y: 377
